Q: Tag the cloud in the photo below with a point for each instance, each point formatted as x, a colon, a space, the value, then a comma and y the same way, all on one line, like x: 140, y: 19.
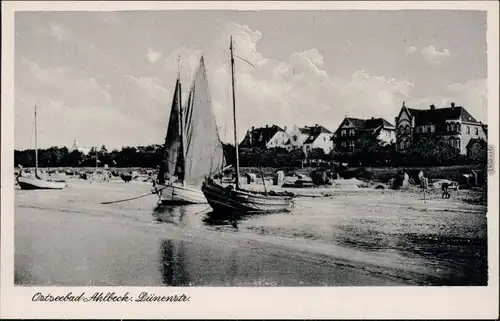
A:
x: 434, y: 56
x: 470, y: 94
x: 125, y: 100
x: 411, y: 50
x: 73, y: 106
x: 152, y: 55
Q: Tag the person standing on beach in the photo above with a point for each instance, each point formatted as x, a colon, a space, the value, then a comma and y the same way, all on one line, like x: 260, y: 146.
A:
x: 446, y: 194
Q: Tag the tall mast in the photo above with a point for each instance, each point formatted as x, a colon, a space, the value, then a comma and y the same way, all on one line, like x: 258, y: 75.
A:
x: 181, y: 121
x: 36, y: 147
x: 234, y: 119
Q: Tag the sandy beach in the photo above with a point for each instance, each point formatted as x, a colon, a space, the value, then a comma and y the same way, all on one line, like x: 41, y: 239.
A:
x: 354, y: 237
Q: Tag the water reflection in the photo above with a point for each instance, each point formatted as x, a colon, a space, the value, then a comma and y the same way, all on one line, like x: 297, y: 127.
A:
x: 212, y: 220
x: 170, y: 214
x: 173, y: 263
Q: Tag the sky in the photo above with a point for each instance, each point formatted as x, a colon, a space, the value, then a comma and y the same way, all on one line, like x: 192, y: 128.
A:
x: 106, y: 78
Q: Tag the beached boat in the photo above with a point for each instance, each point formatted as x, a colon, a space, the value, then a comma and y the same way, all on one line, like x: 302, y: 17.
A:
x: 193, y: 150
x: 38, y: 183
x: 229, y: 201
x: 31, y: 183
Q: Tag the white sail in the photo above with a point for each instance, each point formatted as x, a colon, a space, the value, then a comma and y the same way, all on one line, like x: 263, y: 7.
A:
x: 204, y: 150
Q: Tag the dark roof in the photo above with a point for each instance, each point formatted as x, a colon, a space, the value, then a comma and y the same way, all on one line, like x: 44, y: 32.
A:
x: 485, y: 129
x: 259, y: 136
x: 440, y: 115
x: 367, y: 124
x: 314, y: 132
x: 473, y: 141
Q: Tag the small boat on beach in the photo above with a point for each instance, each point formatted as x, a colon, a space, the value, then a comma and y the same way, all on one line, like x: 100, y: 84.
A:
x: 233, y: 201
x: 32, y: 183
x: 193, y: 149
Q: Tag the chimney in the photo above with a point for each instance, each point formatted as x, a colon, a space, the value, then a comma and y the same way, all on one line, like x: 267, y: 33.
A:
x: 373, y: 118
x: 452, y: 105
x: 250, y: 136
x: 433, y: 107
x: 315, y: 125
x: 253, y: 128
x: 284, y: 128
x: 267, y: 126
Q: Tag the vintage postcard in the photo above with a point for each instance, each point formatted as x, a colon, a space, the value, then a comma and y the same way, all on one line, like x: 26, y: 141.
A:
x: 249, y: 160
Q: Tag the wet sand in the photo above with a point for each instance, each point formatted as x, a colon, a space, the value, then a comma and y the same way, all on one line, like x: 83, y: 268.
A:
x: 353, y: 238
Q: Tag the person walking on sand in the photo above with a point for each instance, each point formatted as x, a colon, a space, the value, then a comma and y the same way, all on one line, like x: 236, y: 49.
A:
x: 446, y: 194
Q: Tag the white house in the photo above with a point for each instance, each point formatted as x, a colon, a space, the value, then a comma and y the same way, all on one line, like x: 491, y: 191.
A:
x: 310, y: 137
x: 82, y: 149
x: 268, y: 137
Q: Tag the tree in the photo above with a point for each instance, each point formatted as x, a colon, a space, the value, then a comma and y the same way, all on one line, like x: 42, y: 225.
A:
x: 432, y: 151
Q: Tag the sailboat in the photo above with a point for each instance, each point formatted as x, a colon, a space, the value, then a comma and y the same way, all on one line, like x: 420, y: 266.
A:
x: 36, y: 182
x: 193, y: 150
x: 228, y: 201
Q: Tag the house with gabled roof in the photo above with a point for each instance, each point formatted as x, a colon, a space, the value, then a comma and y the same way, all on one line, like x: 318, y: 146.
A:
x: 351, y: 129
x: 265, y: 137
x: 453, y: 125
x: 310, y: 137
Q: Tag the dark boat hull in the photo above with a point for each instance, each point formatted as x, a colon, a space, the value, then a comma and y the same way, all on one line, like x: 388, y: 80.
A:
x: 228, y: 202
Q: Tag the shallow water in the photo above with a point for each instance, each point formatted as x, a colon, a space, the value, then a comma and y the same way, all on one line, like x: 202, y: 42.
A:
x: 354, y: 238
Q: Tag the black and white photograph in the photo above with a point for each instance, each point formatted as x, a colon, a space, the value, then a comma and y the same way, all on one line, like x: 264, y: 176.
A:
x: 223, y: 148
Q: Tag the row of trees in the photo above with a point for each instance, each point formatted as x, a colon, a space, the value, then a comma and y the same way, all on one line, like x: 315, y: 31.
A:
x: 369, y: 152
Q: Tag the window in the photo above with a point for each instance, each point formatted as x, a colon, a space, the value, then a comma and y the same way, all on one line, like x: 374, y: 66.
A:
x: 294, y: 138
x: 457, y: 143
x: 351, y: 146
x: 342, y: 132
x: 351, y: 132
x: 432, y: 128
x: 468, y: 130
x: 477, y: 131
x: 424, y: 129
x: 417, y: 129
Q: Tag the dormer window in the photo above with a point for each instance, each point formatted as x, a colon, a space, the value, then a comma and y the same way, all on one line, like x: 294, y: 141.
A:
x: 468, y: 130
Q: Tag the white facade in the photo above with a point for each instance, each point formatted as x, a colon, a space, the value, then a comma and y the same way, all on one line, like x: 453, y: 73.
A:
x: 279, y: 140
x: 300, y: 139
x: 297, y: 138
x: 81, y: 149
x: 323, y: 141
x: 388, y: 135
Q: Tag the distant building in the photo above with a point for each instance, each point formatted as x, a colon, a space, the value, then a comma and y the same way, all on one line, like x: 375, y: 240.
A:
x: 310, y: 137
x: 83, y: 150
x: 267, y: 137
x: 351, y: 129
x: 453, y: 125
